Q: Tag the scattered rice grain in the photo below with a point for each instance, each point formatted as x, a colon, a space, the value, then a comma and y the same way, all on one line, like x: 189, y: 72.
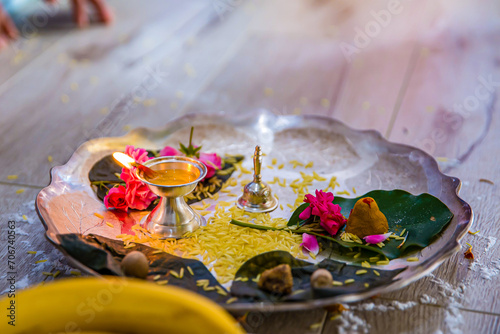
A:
x: 316, y: 325
x: 365, y: 264
x: 231, y: 300
x: 190, y: 270
x: 174, y: 273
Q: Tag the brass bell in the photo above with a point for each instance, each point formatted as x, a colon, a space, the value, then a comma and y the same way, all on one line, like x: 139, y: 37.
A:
x: 257, y: 195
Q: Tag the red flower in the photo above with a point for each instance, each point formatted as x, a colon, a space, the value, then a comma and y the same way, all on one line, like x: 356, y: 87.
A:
x: 321, y: 205
x: 169, y: 151
x: 115, y: 199
x: 212, y: 161
x: 138, y: 195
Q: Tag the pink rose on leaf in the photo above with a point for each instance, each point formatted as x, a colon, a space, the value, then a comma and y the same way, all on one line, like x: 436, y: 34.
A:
x: 331, y: 218
x: 168, y: 151
x: 315, y: 203
x: 213, y: 163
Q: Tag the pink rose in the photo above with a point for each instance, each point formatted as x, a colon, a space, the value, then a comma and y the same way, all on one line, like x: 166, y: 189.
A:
x: 140, y: 155
x: 138, y: 195
x: 212, y: 161
x: 128, y: 175
x: 169, y: 151
x: 115, y: 199
x: 316, y: 204
x: 331, y: 218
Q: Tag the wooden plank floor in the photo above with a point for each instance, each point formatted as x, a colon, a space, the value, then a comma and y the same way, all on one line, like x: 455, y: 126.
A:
x: 430, y: 78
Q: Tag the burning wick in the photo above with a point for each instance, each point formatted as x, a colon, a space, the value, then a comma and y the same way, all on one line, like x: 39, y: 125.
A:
x: 129, y: 162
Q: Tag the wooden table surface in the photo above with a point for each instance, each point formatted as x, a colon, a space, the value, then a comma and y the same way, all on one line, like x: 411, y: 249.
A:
x: 423, y: 73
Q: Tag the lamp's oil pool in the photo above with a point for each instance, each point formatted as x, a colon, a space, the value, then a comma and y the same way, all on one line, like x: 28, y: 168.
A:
x: 174, y: 177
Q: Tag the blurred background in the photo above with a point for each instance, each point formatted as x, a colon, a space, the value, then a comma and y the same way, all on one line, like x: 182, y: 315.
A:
x: 421, y: 72
x: 408, y: 69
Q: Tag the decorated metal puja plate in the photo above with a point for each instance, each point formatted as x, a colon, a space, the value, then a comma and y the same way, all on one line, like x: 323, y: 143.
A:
x: 226, y: 258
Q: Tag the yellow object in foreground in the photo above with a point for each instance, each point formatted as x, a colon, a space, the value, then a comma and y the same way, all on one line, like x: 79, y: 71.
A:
x: 114, y: 305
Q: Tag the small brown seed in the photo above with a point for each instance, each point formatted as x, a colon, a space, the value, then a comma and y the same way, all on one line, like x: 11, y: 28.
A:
x: 135, y: 264
x: 321, y: 278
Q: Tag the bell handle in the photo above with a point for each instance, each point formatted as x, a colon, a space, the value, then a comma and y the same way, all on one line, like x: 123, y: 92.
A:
x: 257, y: 164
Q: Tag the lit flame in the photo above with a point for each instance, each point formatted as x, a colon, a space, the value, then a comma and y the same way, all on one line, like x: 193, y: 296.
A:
x: 124, y: 159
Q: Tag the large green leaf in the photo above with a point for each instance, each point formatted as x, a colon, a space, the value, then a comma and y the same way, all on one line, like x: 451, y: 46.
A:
x: 423, y: 217
x: 247, y: 290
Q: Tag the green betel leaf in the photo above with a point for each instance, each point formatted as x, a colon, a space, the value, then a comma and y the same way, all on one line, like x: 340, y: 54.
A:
x: 294, y: 219
x: 421, y: 217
